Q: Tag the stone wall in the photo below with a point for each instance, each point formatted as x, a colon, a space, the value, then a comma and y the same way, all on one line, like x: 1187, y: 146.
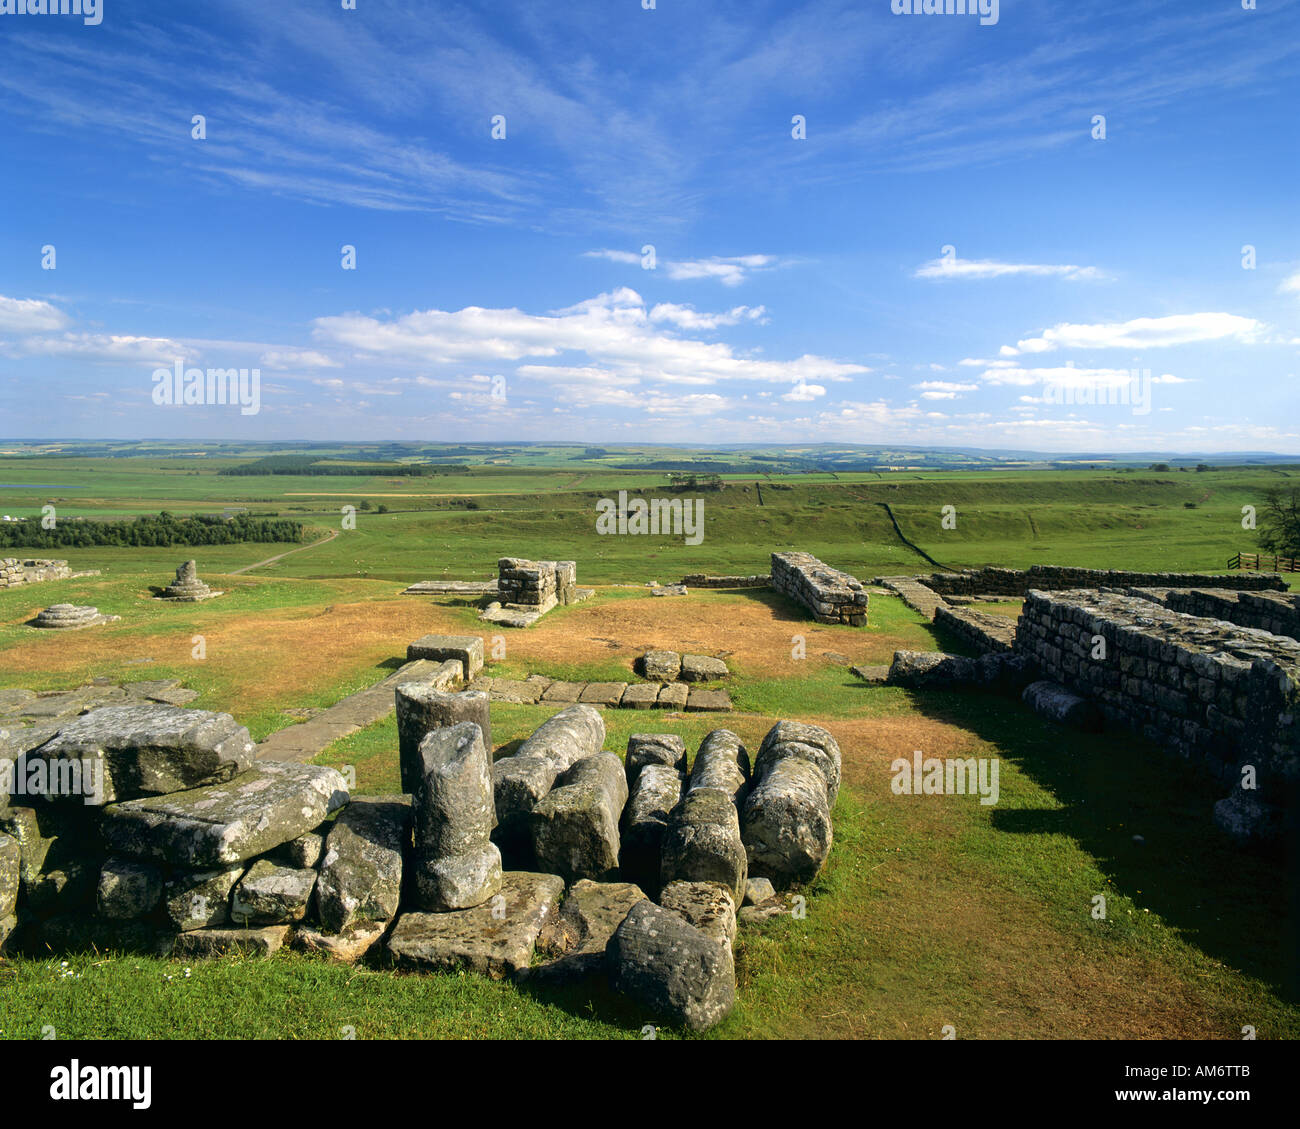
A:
x: 832, y: 596
x: 699, y: 580
x: 986, y: 633
x: 1275, y: 612
x: 1220, y: 695
x: 1055, y: 578
x: 15, y: 571
x: 536, y: 584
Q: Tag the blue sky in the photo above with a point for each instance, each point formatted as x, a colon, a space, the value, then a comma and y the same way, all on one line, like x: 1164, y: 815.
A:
x: 1092, y: 294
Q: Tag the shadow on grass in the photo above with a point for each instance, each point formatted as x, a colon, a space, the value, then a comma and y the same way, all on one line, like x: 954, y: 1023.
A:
x: 1236, y: 906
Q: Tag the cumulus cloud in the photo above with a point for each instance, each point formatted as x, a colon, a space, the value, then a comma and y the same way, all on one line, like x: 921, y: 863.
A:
x: 1142, y: 333
x: 803, y: 392
x: 613, y: 331
x: 686, y: 317
x: 1289, y: 285
x: 30, y: 315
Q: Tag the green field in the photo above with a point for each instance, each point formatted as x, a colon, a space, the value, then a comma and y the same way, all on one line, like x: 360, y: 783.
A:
x: 931, y: 910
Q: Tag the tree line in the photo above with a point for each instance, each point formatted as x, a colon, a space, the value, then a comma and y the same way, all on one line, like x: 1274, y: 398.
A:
x: 149, y: 530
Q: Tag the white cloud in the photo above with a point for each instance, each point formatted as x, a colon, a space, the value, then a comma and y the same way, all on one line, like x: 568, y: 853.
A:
x: 958, y: 269
x: 1289, y: 285
x: 1141, y: 333
x: 686, y: 317
x: 729, y: 270
x: 296, y: 358
x: 803, y: 392
x: 943, y: 389
x: 108, y: 348
x: 30, y: 315
x: 614, y: 331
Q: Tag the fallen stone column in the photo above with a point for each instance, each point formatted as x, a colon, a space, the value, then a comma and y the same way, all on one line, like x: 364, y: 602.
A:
x: 520, y: 781
x: 803, y: 742
x: 575, y: 826
x: 703, y: 844
x: 457, y: 866
x: 671, y: 968
x: 656, y: 791
x: 786, y: 822
x: 1056, y: 703
x: 722, y: 763
x: 654, y: 748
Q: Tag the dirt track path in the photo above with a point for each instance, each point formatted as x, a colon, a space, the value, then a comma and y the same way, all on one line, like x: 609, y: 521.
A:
x: 279, y: 557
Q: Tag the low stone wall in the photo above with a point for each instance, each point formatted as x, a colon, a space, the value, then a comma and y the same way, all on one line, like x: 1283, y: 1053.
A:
x: 15, y: 571
x: 699, y: 580
x: 1220, y: 695
x: 832, y: 596
x: 986, y: 633
x: 1056, y: 578
x: 1274, y: 612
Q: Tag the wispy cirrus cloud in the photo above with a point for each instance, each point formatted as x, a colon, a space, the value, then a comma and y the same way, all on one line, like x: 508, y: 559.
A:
x: 954, y: 269
x: 728, y: 270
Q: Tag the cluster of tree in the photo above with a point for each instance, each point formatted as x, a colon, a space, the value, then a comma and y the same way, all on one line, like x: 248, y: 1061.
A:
x: 311, y: 466
x: 161, y: 531
x: 696, y: 481
x: 1279, y: 524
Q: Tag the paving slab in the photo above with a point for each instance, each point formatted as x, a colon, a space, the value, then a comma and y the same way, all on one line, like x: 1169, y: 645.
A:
x: 603, y: 693
x: 495, y: 939
x: 303, y: 742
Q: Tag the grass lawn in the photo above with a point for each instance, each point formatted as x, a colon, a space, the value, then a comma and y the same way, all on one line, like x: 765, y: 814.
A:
x: 932, y: 910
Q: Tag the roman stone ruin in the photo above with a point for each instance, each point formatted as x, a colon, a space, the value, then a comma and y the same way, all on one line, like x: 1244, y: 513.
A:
x: 1222, y: 697
x: 1206, y: 666
x: 529, y: 589
x: 832, y: 596
x: 70, y: 617
x: 16, y: 570
x: 187, y: 588
x: 1049, y: 578
x: 159, y: 830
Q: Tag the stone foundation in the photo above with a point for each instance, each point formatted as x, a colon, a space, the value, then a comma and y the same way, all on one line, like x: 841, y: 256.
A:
x: 1223, y: 697
x: 700, y: 580
x: 1055, y: 578
x: 15, y: 571
x: 986, y: 633
x: 832, y: 596
x: 1275, y: 612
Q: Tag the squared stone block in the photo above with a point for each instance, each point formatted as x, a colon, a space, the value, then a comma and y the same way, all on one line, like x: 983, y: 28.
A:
x: 673, y: 696
x: 702, y: 668
x: 563, y: 691
x: 495, y: 939
x: 603, y: 693
x: 468, y: 649
x: 512, y: 690
x: 708, y: 701
x: 640, y: 696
